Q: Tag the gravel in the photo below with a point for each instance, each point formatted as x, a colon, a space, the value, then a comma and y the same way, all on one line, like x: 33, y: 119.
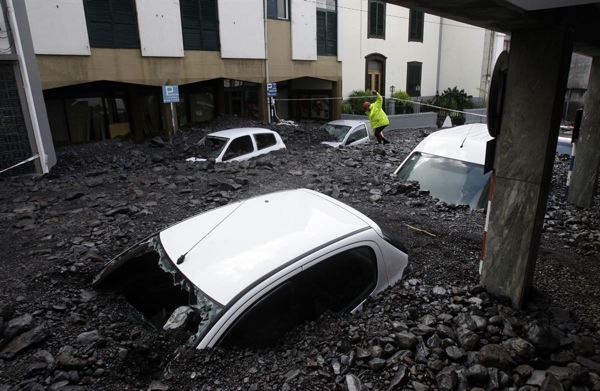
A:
x: 436, y: 329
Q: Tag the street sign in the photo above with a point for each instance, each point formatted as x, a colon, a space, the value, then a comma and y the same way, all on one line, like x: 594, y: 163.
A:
x: 170, y: 94
x: 272, y: 89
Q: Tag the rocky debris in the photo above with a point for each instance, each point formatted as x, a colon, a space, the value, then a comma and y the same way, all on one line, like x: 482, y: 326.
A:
x: 436, y: 329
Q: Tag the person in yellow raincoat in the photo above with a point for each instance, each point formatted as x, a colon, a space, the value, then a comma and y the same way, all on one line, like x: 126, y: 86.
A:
x: 377, y: 117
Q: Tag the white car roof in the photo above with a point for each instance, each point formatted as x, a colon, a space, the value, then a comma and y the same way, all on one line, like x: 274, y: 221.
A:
x: 464, y: 142
x: 236, y: 132
x: 236, y: 245
x: 347, y: 122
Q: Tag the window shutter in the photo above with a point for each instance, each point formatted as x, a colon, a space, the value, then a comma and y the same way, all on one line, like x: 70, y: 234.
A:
x: 380, y: 19
x: 112, y: 23
x: 209, y: 17
x: 321, y: 32
x: 331, y: 33
x: 373, y: 18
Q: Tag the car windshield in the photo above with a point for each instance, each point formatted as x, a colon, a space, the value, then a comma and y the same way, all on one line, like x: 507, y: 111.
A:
x: 162, y: 297
x: 213, y: 146
x: 452, y: 181
x: 337, y: 131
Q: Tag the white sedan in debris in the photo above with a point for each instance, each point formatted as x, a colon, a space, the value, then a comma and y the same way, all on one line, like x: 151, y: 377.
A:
x: 346, y: 133
x: 239, y: 144
x: 247, y: 273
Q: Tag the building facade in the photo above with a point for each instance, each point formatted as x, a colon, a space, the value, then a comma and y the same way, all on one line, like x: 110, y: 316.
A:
x: 103, y: 63
x: 387, y: 47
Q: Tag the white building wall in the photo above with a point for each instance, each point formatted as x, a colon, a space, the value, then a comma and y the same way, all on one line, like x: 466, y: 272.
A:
x: 461, y: 65
x: 304, y: 30
x: 395, y: 47
x: 241, y: 28
x: 58, y: 27
x: 462, y: 54
x: 159, y: 24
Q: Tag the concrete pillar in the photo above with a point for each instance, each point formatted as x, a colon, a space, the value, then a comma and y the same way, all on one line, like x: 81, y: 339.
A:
x: 584, y: 178
x: 263, y: 101
x: 336, y: 104
x: 535, y: 88
x: 134, y: 112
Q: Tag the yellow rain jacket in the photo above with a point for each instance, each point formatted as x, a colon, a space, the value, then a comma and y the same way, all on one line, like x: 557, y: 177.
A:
x: 376, y: 115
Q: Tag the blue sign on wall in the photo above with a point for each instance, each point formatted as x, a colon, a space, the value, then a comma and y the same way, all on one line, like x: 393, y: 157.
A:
x: 170, y: 94
x: 272, y: 89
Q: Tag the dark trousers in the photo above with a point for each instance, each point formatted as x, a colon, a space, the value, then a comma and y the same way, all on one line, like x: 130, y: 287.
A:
x: 379, y: 135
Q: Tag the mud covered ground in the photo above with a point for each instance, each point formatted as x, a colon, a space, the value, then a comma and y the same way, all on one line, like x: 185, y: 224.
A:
x: 436, y: 329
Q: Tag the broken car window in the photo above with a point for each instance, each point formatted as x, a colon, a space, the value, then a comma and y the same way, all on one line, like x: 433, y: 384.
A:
x: 152, y: 284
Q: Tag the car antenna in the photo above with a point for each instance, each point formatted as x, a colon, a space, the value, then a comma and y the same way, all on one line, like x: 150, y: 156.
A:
x: 182, y: 257
x: 465, y: 139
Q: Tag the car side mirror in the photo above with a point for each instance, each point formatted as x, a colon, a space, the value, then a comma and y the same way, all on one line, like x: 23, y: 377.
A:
x: 350, y: 141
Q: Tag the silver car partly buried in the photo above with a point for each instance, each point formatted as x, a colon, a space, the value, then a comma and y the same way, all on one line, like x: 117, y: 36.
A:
x: 247, y: 273
x: 346, y: 133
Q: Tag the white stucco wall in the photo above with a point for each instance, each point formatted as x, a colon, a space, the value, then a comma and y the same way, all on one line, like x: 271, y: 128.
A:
x: 461, y: 66
x: 304, y: 30
x: 241, y: 28
x: 395, y: 47
x: 159, y: 24
x: 58, y: 27
x: 462, y: 53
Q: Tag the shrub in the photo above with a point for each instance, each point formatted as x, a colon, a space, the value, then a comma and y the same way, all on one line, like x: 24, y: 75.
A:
x: 401, y: 96
x: 347, y: 108
x: 355, y: 101
x: 455, y: 99
x: 403, y: 105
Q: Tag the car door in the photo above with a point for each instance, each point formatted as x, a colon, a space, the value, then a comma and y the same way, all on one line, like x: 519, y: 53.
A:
x: 358, y: 135
x: 338, y: 282
x: 239, y: 148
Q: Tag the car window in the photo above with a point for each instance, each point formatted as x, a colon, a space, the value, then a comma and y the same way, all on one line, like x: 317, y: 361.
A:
x: 338, y: 283
x: 452, y: 181
x: 357, y: 134
x: 264, y: 140
x: 342, y: 281
x: 213, y: 146
x: 338, y: 132
x: 238, y: 147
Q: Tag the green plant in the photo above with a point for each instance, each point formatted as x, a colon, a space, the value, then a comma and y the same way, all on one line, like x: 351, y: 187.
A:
x: 356, y: 100
x: 347, y: 108
x: 454, y: 99
x: 402, y: 96
x: 403, y: 103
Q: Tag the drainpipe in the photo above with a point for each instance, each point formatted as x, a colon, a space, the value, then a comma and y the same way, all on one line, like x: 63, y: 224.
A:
x: 27, y: 87
x: 439, y: 61
x: 267, y: 61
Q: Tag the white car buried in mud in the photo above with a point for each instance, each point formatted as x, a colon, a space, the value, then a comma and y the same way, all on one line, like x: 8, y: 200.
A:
x: 238, y: 144
x: 247, y: 273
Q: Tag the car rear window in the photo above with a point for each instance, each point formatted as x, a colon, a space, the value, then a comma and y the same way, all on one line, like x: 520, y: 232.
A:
x: 265, y: 140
